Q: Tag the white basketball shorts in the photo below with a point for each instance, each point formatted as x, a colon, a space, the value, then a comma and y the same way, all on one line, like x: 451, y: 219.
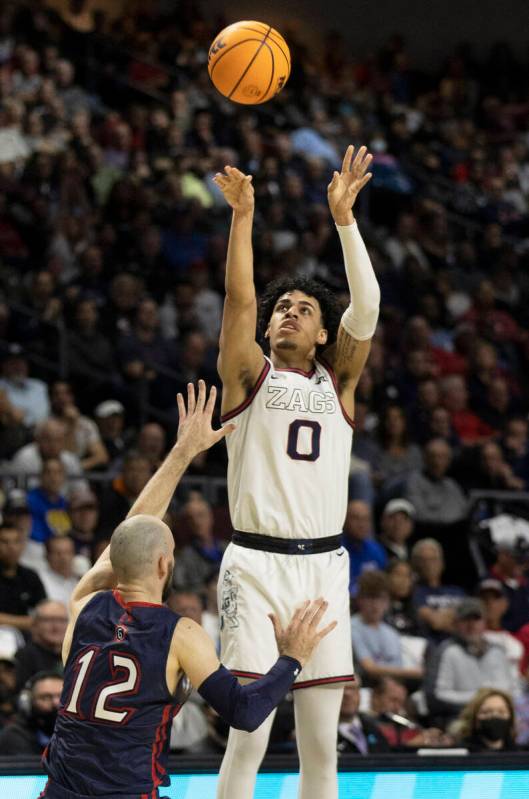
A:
x: 254, y: 583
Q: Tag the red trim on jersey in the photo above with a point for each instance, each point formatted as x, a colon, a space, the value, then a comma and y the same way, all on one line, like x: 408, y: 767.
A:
x: 126, y: 605
x: 297, y: 371
x: 252, y: 675
x: 251, y: 396
x: 43, y: 794
x: 159, y: 740
x: 323, y: 681
x: 329, y: 368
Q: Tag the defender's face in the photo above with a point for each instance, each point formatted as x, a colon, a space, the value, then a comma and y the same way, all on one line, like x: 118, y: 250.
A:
x: 296, y: 323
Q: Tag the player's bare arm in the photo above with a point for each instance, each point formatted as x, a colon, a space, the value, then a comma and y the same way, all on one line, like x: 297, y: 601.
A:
x: 349, y: 353
x: 246, y: 707
x: 195, y: 434
x: 240, y: 358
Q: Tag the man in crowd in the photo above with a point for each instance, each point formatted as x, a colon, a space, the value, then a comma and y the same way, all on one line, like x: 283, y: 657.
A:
x: 437, y: 499
x: 48, y: 504
x: 26, y: 393
x: 20, y: 588
x: 58, y: 576
x: 358, y: 733
x: 396, y: 527
x: 82, y: 435
x: 464, y: 663
x: 50, y: 442
x: 33, y: 726
x: 377, y: 646
x: 118, y: 500
x: 204, y: 554
x: 364, y: 552
x: 434, y: 602
x: 43, y: 652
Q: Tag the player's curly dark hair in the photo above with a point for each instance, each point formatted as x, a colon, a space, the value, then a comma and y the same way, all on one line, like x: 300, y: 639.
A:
x: 330, y: 309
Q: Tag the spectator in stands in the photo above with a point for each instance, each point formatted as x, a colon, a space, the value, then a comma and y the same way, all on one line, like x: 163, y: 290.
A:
x: 110, y: 418
x: 437, y: 499
x: 464, y: 663
x: 47, y: 503
x: 515, y: 445
x: 434, y: 602
x: 510, y: 568
x: 20, y: 588
x: 357, y: 732
x: 58, y: 577
x: 396, y: 527
x: 495, y: 604
x: 43, y: 652
x: 469, y: 427
x: 398, y: 457
x: 402, y: 613
x: 118, y: 500
x: 23, y: 392
x: 82, y: 435
x: 13, y: 432
x: 390, y: 707
x: 33, y: 726
x: 191, y: 729
x: 377, y: 646
x: 83, y: 509
x: 203, y: 554
x: 364, y: 552
x: 89, y: 352
x: 8, y: 694
x: 152, y: 443
x: 488, y: 722
x: 50, y: 442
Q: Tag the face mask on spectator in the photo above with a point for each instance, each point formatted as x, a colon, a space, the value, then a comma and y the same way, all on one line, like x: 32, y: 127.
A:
x: 494, y: 729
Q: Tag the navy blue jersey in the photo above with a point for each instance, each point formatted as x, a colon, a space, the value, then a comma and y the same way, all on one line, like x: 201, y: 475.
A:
x: 113, y: 727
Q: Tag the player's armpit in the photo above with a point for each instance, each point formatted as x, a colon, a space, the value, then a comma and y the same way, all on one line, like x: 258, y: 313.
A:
x: 240, y: 357
x: 100, y: 577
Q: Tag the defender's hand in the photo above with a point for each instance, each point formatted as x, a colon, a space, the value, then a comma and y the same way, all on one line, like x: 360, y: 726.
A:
x: 237, y: 189
x: 344, y: 187
x: 302, y: 634
x: 194, y: 425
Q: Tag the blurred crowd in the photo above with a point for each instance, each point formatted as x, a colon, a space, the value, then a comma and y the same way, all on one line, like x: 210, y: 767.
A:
x: 112, y: 253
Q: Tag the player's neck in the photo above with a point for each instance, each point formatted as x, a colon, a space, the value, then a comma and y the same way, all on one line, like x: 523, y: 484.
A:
x: 291, y: 360
x: 131, y: 592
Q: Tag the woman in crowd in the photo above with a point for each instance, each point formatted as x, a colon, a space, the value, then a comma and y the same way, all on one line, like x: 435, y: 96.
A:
x: 487, y: 723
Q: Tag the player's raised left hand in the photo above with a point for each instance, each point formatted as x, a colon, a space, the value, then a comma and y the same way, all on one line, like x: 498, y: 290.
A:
x: 344, y: 187
x: 194, y: 424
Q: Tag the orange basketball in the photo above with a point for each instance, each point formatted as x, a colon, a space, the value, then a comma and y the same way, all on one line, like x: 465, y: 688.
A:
x: 249, y: 62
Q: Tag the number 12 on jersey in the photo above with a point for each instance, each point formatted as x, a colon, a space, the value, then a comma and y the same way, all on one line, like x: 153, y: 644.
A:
x: 121, y: 666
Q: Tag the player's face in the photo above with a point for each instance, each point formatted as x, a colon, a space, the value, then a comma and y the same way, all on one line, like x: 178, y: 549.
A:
x: 296, y: 324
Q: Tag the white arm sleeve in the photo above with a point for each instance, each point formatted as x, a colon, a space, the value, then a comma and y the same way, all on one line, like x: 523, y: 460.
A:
x: 360, y: 318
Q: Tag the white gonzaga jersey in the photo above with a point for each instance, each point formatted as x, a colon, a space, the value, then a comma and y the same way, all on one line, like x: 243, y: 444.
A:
x: 289, y: 455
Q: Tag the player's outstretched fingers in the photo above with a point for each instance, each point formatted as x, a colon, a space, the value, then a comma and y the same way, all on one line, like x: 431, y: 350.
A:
x: 201, y: 399
x: 278, y: 630
x: 326, y: 630
x: 319, y: 613
x: 299, y: 613
x: 346, y: 163
x: 181, y: 407
x: 190, y: 398
x: 222, y: 432
x: 210, y: 404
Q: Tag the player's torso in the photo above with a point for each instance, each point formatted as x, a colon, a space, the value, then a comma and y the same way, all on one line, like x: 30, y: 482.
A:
x: 116, y: 709
x: 289, y: 456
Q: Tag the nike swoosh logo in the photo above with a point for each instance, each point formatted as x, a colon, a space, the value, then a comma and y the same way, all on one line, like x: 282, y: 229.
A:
x: 274, y: 377
x: 342, y: 552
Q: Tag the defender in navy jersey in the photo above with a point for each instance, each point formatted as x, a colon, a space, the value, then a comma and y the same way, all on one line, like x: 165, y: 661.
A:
x: 288, y: 470
x: 127, y: 655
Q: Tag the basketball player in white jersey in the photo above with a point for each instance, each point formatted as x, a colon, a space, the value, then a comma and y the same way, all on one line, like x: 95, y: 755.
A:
x: 288, y: 472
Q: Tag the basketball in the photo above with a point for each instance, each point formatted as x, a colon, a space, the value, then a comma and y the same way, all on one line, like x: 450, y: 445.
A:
x: 249, y: 62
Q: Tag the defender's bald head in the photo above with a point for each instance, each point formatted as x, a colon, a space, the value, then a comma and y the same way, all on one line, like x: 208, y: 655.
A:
x: 137, y: 544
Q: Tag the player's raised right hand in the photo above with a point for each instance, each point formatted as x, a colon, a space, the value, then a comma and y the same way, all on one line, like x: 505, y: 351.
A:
x: 303, y: 633
x: 237, y: 189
